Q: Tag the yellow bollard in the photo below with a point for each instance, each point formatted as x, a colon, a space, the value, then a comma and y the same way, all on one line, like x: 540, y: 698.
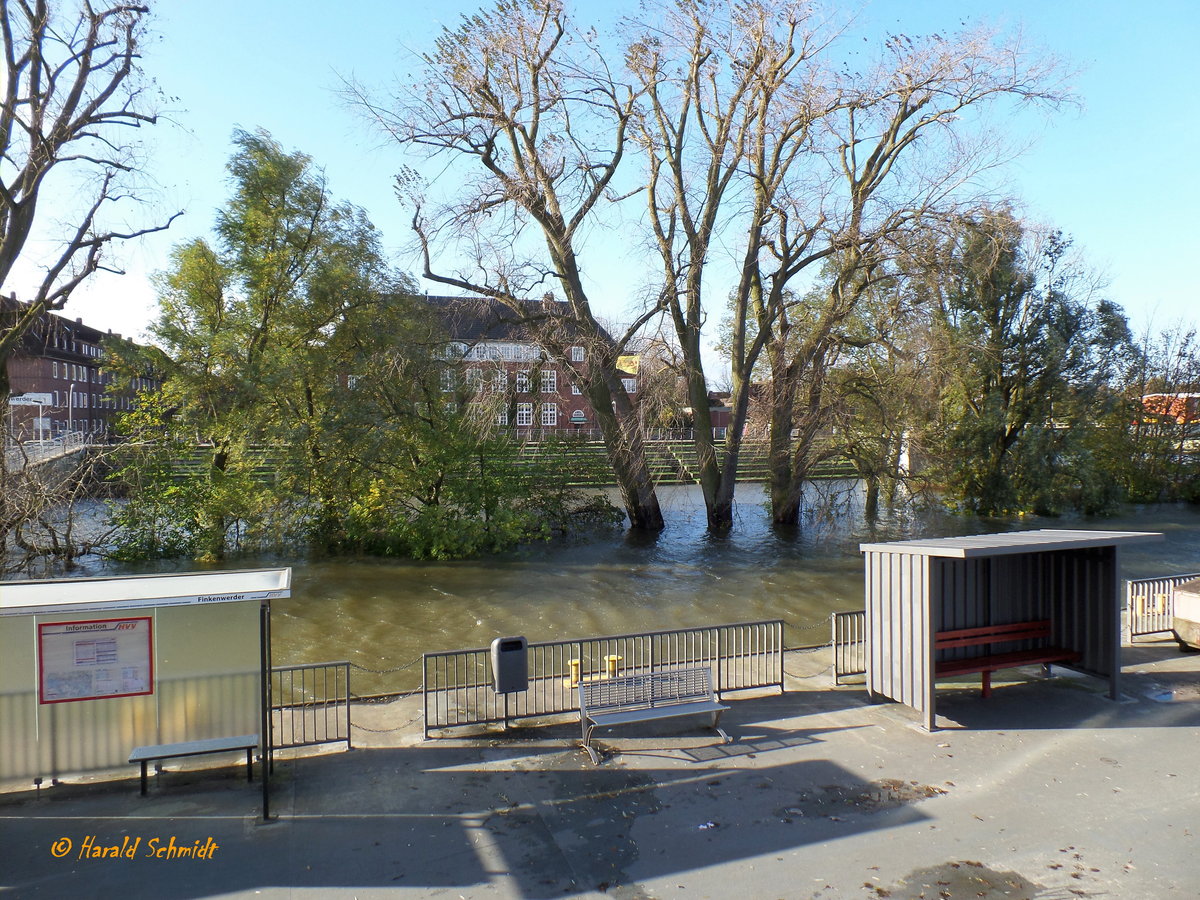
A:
x: 574, y: 664
x: 611, y: 662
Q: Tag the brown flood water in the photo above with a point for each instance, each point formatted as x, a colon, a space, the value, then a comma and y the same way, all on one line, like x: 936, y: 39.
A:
x: 381, y: 614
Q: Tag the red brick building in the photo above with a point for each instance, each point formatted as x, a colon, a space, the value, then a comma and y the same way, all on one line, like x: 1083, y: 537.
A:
x: 60, y: 363
x: 498, y: 366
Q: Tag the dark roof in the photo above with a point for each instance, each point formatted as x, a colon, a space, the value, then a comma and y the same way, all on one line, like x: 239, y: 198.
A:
x: 474, y: 319
x: 37, y: 339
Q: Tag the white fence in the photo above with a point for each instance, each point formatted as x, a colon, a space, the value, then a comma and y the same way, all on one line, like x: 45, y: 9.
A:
x: 1150, y: 603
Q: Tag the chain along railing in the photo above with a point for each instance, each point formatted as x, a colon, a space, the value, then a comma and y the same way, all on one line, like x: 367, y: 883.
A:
x: 1150, y: 603
x: 457, y: 684
x: 849, y: 644
x: 310, y: 704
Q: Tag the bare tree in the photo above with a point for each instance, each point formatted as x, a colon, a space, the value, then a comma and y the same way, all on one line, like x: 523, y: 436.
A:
x: 898, y: 151
x: 731, y: 91
x: 72, y: 85
x: 527, y: 105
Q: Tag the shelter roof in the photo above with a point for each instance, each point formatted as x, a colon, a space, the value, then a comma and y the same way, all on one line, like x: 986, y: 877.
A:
x: 1189, y: 587
x: 70, y: 595
x: 1010, y: 543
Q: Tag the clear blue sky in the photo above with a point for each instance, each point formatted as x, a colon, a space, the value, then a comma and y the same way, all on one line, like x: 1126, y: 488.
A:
x: 1118, y: 176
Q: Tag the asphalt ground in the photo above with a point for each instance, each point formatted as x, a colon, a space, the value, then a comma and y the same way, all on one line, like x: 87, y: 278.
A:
x: 1047, y: 790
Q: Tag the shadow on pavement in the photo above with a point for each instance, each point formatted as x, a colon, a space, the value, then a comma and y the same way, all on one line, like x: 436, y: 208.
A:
x: 546, y: 822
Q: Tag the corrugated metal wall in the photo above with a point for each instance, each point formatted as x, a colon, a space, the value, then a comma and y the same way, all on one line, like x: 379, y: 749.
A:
x: 206, y: 685
x: 911, y: 596
x: 898, y: 628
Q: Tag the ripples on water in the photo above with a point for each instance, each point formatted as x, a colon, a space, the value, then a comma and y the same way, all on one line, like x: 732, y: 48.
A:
x: 385, y: 613
x: 381, y: 614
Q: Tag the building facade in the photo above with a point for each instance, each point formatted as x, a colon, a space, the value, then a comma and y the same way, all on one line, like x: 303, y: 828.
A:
x: 57, y: 382
x: 495, y: 364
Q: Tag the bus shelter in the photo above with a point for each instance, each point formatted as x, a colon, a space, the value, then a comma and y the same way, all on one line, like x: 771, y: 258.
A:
x: 918, y: 588
x: 91, y: 668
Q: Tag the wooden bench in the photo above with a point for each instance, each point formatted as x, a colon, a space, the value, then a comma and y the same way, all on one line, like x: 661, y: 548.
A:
x: 641, y: 698
x: 247, y: 742
x: 988, y: 663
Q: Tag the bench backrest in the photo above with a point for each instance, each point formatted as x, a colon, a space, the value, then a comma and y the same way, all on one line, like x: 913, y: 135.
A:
x: 989, y: 634
x: 646, y: 691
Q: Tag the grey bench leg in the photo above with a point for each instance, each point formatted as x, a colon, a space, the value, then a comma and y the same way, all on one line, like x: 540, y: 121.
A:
x: 250, y: 764
x: 144, y: 761
x: 716, y: 724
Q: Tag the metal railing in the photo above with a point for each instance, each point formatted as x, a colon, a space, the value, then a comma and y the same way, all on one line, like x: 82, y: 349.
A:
x: 457, y: 684
x: 1150, y: 603
x: 310, y: 704
x: 32, y: 453
x: 849, y: 644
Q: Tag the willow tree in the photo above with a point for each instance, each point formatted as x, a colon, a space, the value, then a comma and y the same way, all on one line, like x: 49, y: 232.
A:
x: 241, y: 341
x: 1024, y: 361
x: 522, y: 106
x: 897, y: 152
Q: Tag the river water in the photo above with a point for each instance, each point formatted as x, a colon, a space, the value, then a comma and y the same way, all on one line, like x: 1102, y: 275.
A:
x: 383, y: 614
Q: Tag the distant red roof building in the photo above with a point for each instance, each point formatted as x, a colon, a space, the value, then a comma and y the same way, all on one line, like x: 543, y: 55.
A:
x: 1181, y: 408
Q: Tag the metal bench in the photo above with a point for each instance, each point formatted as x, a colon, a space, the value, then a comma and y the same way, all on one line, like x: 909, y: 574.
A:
x: 247, y: 742
x: 991, y: 662
x: 640, y: 698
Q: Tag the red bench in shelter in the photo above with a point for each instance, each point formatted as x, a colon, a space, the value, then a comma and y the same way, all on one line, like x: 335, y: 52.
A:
x: 988, y: 663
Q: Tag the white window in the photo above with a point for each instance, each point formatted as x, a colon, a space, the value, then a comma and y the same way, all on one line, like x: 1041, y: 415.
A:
x: 475, y: 379
x: 524, y: 413
x: 500, y: 381
x: 352, y: 381
x: 549, y: 414
x: 576, y: 354
x: 630, y: 385
x: 502, y: 417
x: 575, y: 390
x: 448, y: 379
x: 522, y: 382
x: 549, y: 381
x: 53, y: 370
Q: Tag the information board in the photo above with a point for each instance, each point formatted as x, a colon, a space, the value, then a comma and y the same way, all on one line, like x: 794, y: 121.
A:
x: 95, y: 659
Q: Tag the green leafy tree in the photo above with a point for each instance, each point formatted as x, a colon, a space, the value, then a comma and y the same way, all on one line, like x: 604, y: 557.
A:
x: 1024, y: 364
x: 302, y: 398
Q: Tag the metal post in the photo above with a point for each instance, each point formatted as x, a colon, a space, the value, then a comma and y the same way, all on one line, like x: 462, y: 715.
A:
x: 264, y: 649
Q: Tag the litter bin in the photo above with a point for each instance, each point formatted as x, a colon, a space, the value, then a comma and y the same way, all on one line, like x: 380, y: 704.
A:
x: 510, y: 664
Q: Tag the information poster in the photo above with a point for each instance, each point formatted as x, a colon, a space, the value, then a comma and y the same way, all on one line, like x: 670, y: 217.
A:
x: 95, y: 659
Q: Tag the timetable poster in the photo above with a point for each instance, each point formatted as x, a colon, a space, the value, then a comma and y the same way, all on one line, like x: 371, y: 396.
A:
x: 95, y: 659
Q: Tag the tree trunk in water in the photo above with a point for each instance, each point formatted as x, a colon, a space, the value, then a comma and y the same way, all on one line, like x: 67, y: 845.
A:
x: 871, y: 501
x: 785, y: 500
x: 626, y: 454
x: 718, y: 503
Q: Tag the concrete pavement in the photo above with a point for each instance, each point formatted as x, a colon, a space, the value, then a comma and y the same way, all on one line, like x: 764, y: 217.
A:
x: 1048, y: 790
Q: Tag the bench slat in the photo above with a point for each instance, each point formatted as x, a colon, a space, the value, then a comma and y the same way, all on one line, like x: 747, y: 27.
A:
x: 991, y: 634
x: 1006, y: 660
x: 645, y: 715
x: 193, y: 748
x: 986, y: 663
x: 247, y: 742
x: 645, y: 697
